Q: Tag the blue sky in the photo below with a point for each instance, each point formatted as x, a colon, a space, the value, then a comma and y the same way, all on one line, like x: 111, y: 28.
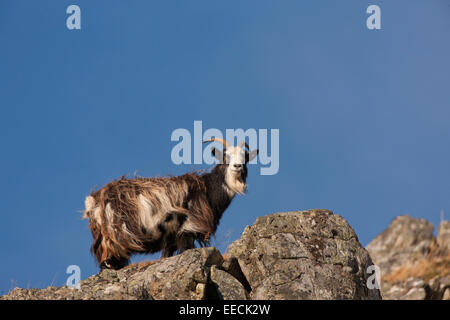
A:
x: 364, y: 116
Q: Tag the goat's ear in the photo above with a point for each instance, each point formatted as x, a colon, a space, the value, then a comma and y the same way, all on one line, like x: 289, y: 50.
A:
x: 217, y: 154
x: 250, y: 156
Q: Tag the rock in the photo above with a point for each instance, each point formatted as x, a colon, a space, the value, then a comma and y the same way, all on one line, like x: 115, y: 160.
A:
x: 228, y: 287
x: 443, y: 238
x: 407, y: 239
x: 231, y: 265
x: 446, y: 295
x: 444, y: 283
x: 415, y: 294
x: 393, y: 292
x: 185, y: 276
x: 412, y: 289
x: 310, y: 254
x: 414, y: 265
x: 177, y: 277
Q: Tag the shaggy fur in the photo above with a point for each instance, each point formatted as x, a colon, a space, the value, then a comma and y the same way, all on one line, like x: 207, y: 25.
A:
x: 146, y: 215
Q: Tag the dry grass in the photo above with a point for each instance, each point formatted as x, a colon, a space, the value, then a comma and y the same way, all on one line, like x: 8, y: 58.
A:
x: 435, y: 264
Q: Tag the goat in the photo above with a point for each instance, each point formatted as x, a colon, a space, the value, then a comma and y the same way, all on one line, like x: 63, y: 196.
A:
x: 147, y: 215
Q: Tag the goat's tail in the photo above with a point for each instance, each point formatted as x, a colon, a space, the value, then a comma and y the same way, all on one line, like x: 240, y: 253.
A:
x: 96, y: 247
x: 89, y: 204
x: 109, y: 242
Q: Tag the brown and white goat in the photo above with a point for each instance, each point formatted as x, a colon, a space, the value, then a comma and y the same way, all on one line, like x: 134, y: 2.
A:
x: 146, y: 215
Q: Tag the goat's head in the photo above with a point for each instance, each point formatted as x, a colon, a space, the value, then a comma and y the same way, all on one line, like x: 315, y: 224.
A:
x: 234, y: 160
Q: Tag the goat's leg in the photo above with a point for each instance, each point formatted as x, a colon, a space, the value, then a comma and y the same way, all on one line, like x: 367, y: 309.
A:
x: 107, y: 259
x: 169, y: 246
x: 114, y: 263
x: 173, y: 221
x: 185, y: 242
x: 168, y: 252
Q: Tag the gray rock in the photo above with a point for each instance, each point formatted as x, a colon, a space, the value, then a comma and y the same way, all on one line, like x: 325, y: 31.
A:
x: 405, y: 241
x: 393, y: 292
x: 177, y: 277
x: 443, y: 238
x: 228, y: 287
x: 444, y: 283
x: 414, y: 265
x: 231, y: 265
x: 311, y: 254
x: 415, y: 294
x: 446, y: 295
x: 185, y: 276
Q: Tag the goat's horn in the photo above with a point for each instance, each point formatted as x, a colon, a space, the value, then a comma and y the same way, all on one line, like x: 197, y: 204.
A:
x: 222, y: 141
x: 243, y: 143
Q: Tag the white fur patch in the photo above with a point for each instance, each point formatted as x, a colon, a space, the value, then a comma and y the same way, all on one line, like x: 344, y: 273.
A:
x: 96, y: 215
x: 91, y: 211
x: 89, y: 203
x: 235, y: 155
x: 188, y: 226
x: 233, y: 184
x: 149, y: 219
x: 109, y: 213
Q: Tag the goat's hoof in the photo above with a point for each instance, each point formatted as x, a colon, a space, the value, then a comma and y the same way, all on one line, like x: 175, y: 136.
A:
x: 114, y: 263
x: 105, y: 265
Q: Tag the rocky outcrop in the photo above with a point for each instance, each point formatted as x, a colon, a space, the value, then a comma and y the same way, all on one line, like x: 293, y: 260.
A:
x: 443, y: 238
x: 196, y: 274
x: 414, y: 264
x: 310, y: 254
x: 406, y: 240
x: 303, y: 255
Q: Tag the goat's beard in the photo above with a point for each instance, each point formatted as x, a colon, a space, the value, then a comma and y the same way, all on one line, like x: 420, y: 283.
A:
x: 235, y: 181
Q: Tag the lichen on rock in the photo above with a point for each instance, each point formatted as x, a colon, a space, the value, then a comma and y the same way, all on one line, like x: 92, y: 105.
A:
x: 311, y: 254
